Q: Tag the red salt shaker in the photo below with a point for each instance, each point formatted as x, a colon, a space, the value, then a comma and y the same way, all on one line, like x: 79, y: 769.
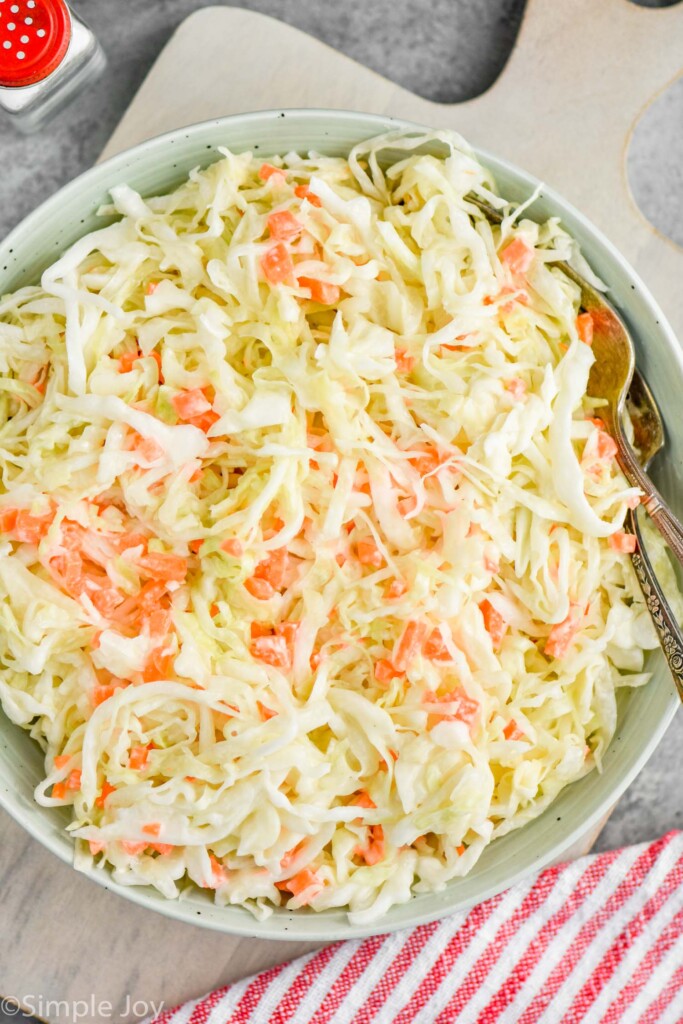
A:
x: 47, y: 54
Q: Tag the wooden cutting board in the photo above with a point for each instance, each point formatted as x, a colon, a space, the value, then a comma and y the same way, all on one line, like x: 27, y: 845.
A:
x: 580, y: 75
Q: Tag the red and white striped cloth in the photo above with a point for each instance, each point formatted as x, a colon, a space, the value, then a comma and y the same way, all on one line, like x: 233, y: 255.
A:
x: 596, y: 940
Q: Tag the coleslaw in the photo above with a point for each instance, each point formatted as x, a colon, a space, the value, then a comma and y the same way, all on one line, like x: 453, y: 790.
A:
x: 314, y: 578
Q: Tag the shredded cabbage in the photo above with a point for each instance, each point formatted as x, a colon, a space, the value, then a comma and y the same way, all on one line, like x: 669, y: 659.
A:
x: 313, y: 576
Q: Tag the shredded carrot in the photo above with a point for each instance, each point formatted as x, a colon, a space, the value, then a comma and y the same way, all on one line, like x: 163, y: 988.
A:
x: 165, y: 849
x: 274, y: 568
x: 189, y: 404
x: 158, y: 666
x: 264, y: 711
x: 584, y: 328
x: 562, y: 634
x: 158, y: 623
x: 426, y: 461
x: 284, y: 226
x: 59, y: 791
x: 218, y: 872
x: 395, y: 589
x: 152, y: 829
x: 460, y: 849
x: 300, y: 882
x: 267, y: 171
x: 491, y: 565
x: 624, y: 542
x: 374, y: 850
x: 435, y: 648
x: 106, y: 791
x: 321, y: 291
x: 205, y: 421
x: 74, y: 779
x: 512, y: 731
x: 260, y: 629
x: 385, y: 671
x: 127, y: 360
x: 303, y: 192
x: 517, y: 256
x: 363, y: 799
x: 149, y: 449
x: 272, y: 650
x: 133, y: 849
x: 407, y: 505
x: 465, y: 708
x: 290, y: 856
x: 517, y: 388
x: 599, y: 449
x: 8, y: 519
x: 408, y: 644
x: 262, y: 590
x: 23, y: 526
x: 288, y: 630
x: 96, y: 847
x: 232, y: 547
x: 138, y: 757
x: 369, y: 554
x: 495, y: 624
x: 276, y: 264
x: 163, y: 566
x: 102, y: 693
x: 404, y: 362
x: 62, y: 760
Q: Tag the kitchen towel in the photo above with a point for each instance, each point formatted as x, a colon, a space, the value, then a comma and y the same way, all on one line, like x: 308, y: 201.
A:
x: 597, y: 941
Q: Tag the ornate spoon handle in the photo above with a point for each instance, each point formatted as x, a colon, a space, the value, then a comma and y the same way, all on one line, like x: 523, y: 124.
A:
x: 668, y: 630
x: 660, y: 513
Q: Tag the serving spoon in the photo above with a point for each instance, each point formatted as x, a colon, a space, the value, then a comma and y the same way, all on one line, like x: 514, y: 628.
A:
x: 613, y: 377
x: 648, y: 437
x: 610, y: 379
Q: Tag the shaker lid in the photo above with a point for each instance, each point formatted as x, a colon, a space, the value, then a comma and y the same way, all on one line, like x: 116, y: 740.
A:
x: 34, y: 38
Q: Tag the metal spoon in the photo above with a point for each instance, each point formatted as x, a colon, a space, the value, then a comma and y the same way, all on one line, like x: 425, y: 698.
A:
x: 648, y: 437
x: 612, y: 374
x: 614, y: 377
x: 610, y: 378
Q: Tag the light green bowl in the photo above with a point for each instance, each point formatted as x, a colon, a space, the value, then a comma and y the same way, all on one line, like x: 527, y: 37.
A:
x: 644, y: 714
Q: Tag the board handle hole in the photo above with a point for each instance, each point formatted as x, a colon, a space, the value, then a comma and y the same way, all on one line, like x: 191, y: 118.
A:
x: 655, y: 3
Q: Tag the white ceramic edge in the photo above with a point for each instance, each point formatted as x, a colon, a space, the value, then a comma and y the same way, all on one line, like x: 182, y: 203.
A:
x: 319, y: 926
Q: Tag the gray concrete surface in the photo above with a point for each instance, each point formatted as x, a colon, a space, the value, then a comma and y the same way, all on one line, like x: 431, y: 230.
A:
x: 447, y: 50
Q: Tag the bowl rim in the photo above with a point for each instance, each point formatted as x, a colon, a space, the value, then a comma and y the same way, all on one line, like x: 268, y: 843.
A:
x: 319, y: 924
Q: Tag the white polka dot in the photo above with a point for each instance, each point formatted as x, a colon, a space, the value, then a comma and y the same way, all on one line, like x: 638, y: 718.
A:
x: 24, y: 39
x: 14, y: 8
x: 31, y: 3
x: 28, y: 21
x: 7, y: 45
x: 11, y: 26
x: 21, y: 55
